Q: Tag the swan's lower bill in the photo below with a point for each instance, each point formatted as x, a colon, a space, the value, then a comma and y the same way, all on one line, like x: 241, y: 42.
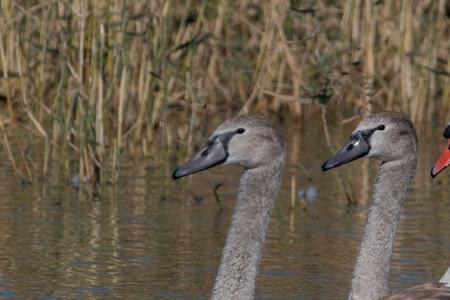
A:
x: 215, y: 153
x: 357, y: 147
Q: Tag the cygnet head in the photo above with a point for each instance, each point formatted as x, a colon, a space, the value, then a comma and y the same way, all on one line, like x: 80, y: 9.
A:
x: 248, y: 141
x: 444, y: 160
x: 386, y: 136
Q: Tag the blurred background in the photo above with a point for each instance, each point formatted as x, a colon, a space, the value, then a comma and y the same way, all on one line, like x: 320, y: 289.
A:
x: 100, y: 100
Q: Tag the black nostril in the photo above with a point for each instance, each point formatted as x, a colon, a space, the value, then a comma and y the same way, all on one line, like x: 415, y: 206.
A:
x: 205, y: 152
x: 350, y: 147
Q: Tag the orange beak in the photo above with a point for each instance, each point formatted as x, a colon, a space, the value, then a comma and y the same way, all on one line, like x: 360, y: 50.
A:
x: 443, y: 161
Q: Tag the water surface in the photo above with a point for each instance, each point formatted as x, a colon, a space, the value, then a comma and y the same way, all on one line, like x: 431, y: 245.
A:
x: 152, y: 238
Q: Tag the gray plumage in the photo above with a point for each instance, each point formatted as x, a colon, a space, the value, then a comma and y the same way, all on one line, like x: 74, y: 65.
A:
x: 257, y: 145
x: 261, y: 151
x: 397, y: 148
x: 445, y: 280
x: 427, y: 291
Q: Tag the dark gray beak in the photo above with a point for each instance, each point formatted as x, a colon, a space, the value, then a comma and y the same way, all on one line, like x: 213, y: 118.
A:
x: 357, y: 147
x: 215, y: 153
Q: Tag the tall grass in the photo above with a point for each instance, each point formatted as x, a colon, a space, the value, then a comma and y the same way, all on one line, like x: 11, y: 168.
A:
x: 91, y: 79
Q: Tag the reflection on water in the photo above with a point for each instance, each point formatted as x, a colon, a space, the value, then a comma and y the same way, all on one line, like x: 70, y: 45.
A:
x: 152, y: 238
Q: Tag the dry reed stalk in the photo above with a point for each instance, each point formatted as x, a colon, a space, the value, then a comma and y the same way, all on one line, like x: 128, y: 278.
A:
x: 370, y: 57
x: 80, y: 9
x: 405, y: 50
x: 5, y: 76
x: 81, y: 142
x: 41, y: 78
x: 88, y: 167
x: 436, y: 32
x: 122, y: 99
x: 144, y: 83
x: 157, y: 107
x: 346, y: 28
x: 215, y: 60
x: 279, y: 10
x: 115, y: 170
x: 357, y: 8
x: 241, y: 89
x: 346, y: 19
x: 293, y: 190
x: 261, y: 63
x: 217, y: 32
x: 7, y: 146
x: 292, y: 221
x: 99, y: 123
x: 279, y: 86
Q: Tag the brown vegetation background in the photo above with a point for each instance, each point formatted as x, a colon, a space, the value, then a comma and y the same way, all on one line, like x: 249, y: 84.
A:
x: 90, y: 80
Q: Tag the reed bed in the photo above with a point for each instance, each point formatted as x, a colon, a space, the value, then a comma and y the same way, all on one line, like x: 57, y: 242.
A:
x: 91, y: 80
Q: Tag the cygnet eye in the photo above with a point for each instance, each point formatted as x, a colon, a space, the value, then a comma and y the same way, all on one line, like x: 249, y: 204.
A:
x: 381, y: 127
x: 240, y: 130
